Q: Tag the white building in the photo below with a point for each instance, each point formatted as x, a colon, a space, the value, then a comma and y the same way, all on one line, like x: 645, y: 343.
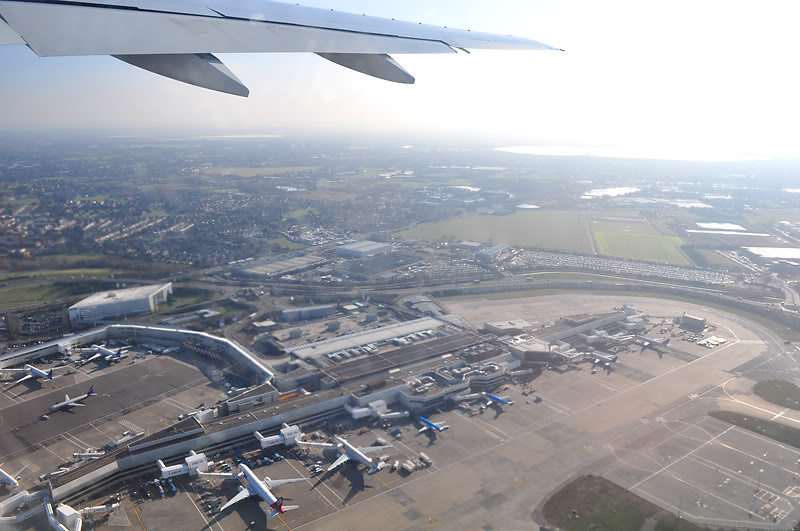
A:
x: 363, y: 249
x: 120, y: 303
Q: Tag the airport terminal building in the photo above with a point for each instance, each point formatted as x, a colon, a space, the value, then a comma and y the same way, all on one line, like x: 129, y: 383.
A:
x: 119, y: 303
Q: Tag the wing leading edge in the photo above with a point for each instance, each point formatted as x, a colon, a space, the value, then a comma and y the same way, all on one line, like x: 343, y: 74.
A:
x: 176, y: 38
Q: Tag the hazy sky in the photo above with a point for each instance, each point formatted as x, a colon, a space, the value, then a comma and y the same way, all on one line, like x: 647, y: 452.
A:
x: 677, y: 76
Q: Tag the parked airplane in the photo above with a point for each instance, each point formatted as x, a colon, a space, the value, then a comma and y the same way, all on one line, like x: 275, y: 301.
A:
x: 256, y: 487
x: 176, y: 39
x: 33, y: 372
x: 69, y: 403
x: 501, y: 400
x: 656, y: 344
x: 8, y: 479
x: 430, y: 425
x: 603, y: 358
x: 350, y: 452
x: 106, y: 354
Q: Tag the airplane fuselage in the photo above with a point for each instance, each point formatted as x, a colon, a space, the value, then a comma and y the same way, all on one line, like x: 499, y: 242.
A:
x: 258, y: 488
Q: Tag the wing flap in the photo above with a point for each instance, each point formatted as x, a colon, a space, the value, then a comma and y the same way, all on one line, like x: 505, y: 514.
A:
x: 317, y: 445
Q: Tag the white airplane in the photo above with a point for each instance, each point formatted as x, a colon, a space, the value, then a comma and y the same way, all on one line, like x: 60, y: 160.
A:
x: 350, y: 452
x: 33, y: 372
x: 430, y: 425
x: 653, y: 343
x: 175, y: 38
x: 604, y: 359
x: 69, y: 403
x: 8, y: 479
x: 256, y: 487
x: 101, y: 352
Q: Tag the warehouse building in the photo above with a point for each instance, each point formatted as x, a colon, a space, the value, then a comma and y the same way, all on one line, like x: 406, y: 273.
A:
x: 490, y: 253
x: 512, y: 327
x: 363, y: 249
x: 308, y: 312
x: 692, y: 323
x: 120, y: 303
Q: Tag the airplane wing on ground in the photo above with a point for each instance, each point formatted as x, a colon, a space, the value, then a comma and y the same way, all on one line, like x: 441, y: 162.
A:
x: 273, y: 483
x: 285, y: 508
x: 373, y: 449
x: 24, y: 378
x: 241, y: 495
x: 341, y: 459
x: 176, y: 38
x: 317, y: 445
x: 77, y: 404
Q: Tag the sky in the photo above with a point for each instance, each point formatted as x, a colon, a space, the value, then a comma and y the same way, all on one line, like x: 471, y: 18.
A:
x: 679, y: 79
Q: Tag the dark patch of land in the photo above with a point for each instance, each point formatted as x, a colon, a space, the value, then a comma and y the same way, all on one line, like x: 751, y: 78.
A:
x: 768, y: 428
x: 594, y: 503
x: 779, y: 392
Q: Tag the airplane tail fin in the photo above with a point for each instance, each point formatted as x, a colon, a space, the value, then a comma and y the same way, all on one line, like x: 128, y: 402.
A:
x: 91, y: 392
x: 50, y: 374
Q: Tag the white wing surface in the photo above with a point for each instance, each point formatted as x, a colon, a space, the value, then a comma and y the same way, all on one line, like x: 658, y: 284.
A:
x: 341, y: 459
x: 175, y: 38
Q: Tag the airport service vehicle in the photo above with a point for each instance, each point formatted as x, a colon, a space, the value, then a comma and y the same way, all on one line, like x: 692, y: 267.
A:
x: 34, y: 373
x: 69, y: 403
x: 350, y: 452
x: 430, y: 425
x: 177, y: 39
x: 257, y: 487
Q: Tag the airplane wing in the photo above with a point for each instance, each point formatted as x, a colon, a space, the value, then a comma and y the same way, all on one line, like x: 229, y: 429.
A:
x: 273, y: 483
x: 24, y: 378
x: 76, y: 404
x: 317, y: 445
x: 175, y: 38
x: 373, y: 449
x: 244, y: 493
x: 341, y: 459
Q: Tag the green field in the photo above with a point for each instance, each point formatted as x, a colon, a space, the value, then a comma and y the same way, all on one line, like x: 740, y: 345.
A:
x: 592, y: 503
x: 298, y: 213
x: 779, y: 392
x: 546, y: 229
x: 638, y: 246
x: 256, y: 172
x: 38, y: 294
x: 82, y: 272
x: 286, y: 244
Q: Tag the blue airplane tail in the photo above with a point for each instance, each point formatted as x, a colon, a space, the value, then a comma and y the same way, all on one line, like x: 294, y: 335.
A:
x: 91, y: 392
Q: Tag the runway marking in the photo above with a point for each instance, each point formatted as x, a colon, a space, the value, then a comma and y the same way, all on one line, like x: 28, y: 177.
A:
x: 137, y: 515
x: 683, y: 510
x: 481, y: 427
x: 177, y: 405
x: 131, y: 426
x: 101, y: 431
x: 196, y: 507
x: 284, y: 521
x: 52, y: 452
x: 778, y: 415
x: 83, y: 443
x: 67, y: 438
x: 289, y: 461
x: 33, y: 467
x: 131, y: 407
x: 747, y: 480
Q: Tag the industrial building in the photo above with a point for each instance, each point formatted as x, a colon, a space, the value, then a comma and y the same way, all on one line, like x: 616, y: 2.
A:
x: 363, y: 249
x: 119, y: 303
x: 514, y: 326
x: 283, y: 266
x: 308, y: 312
x: 692, y: 323
x: 490, y: 253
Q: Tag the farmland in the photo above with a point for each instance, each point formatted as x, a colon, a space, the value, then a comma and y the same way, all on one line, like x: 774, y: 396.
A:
x: 545, y: 229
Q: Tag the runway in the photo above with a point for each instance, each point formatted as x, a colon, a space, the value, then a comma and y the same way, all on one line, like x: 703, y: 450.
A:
x: 123, y: 389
